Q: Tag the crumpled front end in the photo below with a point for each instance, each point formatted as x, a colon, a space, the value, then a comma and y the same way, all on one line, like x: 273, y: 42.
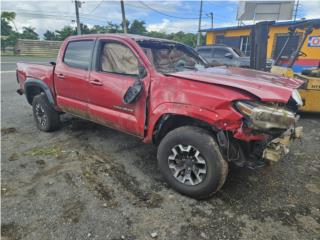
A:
x: 279, y: 147
x: 266, y: 131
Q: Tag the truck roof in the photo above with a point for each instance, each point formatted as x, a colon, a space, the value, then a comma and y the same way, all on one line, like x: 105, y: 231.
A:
x: 122, y: 36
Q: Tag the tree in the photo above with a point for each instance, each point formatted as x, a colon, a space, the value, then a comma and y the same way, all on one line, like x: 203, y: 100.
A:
x: 137, y: 27
x: 157, y: 34
x: 99, y: 29
x: 65, y: 32
x: 127, y: 24
x: 186, y: 38
x: 48, y: 35
x: 9, y: 40
x: 29, y: 33
x: 6, y: 29
x: 85, y: 29
x: 9, y: 36
x: 9, y: 17
x: 113, y: 28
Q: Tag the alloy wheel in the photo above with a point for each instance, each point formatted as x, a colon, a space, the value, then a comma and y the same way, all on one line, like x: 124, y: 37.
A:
x: 187, y: 164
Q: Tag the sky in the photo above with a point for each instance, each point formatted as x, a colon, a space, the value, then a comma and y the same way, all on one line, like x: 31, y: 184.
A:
x: 166, y: 16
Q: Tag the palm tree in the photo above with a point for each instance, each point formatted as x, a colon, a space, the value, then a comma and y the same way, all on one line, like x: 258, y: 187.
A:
x: 10, y: 17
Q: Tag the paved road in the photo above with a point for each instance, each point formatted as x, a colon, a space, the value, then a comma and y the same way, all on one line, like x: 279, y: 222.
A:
x: 8, y: 64
x: 90, y: 182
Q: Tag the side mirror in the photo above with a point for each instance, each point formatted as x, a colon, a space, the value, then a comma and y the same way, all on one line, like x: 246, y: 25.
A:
x: 228, y: 55
x: 133, y: 92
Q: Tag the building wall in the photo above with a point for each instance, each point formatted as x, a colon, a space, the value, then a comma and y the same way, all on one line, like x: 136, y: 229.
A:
x: 211, y: 36
x: 313, y: 53
x: 27, y: 47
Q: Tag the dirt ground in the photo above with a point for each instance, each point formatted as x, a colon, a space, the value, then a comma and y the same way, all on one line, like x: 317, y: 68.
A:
x: 86, y: 181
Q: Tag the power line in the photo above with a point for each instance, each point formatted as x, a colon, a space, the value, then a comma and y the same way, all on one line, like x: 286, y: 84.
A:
x: 98, y: 5
x: 165, y: 14
x: 62, y: 15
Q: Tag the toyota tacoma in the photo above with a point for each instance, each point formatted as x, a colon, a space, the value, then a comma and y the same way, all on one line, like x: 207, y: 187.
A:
x: 201, y: 118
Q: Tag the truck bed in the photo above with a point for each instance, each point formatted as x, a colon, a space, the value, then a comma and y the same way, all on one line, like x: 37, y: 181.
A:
x: 43, y: 72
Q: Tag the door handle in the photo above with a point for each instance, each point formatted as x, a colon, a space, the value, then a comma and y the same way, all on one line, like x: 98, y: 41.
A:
x: 60, y: 75
x: 96, y: 82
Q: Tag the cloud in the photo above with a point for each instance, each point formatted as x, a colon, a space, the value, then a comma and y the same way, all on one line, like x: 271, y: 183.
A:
x: 170, y: 26
x: 311, y: 9
x: 162, y: 6
x: 53, y: 15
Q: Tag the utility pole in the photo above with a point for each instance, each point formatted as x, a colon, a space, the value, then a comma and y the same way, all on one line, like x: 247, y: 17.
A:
x: 124, y: 23
x: 77, y: 5
x: 199, y: 27
x: 211, y: 16
x: 296, y: 11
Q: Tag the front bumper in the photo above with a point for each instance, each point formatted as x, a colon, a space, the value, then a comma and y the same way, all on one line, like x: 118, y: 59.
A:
x: 279, y: 147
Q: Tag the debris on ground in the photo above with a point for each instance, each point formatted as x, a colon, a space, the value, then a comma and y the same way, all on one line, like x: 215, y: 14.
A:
x: 154, y: 234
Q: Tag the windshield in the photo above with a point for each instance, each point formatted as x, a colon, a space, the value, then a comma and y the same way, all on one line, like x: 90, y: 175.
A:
x: 169, y: 57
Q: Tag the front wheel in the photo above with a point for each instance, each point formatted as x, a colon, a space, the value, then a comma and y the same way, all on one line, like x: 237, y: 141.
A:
x: 46, y: 117
x: 191, y: 162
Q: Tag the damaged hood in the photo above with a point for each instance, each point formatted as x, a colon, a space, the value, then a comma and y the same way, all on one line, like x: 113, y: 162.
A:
x: 266, y: 86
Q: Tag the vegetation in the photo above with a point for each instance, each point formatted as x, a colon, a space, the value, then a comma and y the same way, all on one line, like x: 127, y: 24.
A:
x: 29, y: 33
x: 9, y: 35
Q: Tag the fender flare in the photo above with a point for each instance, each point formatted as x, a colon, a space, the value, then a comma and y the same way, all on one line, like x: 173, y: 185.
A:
x: 32, y: 82
x: 192, y: 111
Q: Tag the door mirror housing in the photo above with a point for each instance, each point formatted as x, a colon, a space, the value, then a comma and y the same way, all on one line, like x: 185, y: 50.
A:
x: 133, y: 92
x: 228, y: 55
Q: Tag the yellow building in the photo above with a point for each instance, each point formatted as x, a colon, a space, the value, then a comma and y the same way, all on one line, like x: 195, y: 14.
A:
x: 239, y: 36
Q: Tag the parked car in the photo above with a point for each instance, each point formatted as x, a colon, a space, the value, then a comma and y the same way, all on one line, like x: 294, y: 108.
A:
x: 200, y: 118
x: 220, y: 54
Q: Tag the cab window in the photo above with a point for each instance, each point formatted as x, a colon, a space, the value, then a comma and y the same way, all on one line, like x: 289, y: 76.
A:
x: 117, y: 58
x: 78, y: 54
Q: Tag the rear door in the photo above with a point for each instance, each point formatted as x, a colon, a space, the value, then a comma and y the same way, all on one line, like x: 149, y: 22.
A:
x: 72, y: 75
x: 115, y: 70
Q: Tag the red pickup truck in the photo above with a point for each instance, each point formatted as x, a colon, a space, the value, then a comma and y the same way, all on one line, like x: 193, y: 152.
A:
x: 201, y: 118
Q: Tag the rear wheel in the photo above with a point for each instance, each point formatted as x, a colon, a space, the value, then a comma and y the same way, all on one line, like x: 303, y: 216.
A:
x: 46, y: 117
x: 190, y: 160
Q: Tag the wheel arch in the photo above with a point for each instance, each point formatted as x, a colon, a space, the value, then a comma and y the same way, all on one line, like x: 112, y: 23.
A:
x: 33, y: 87
x: 168, y: 117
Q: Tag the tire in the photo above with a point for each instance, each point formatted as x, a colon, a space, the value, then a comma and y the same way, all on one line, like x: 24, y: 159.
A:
x: 46, y: 117
x: 201, y: 186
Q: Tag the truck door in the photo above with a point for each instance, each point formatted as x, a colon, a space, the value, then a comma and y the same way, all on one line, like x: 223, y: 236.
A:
x: 72, y: 75
x: 114, y: 71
